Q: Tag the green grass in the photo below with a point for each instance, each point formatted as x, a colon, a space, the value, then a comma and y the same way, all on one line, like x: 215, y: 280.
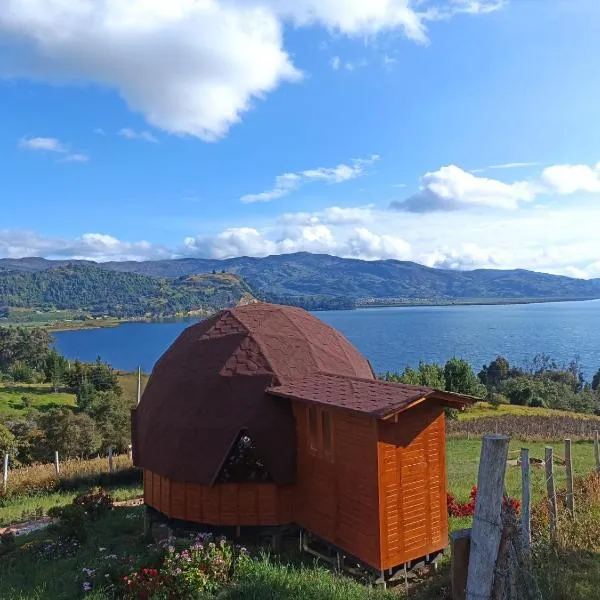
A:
x: 41, y: 395
x: 21, y: 508
x: 43, y: 398
x: 463, y: 464
x: 485, y: 409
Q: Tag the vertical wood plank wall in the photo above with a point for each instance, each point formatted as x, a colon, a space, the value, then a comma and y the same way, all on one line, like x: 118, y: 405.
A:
x: 412, y: 485
x: 337, y: 497
x: 381, y: 495
x: 223, y: 504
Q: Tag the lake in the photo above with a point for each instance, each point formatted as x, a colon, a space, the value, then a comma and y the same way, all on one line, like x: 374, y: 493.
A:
x: 392, y: 338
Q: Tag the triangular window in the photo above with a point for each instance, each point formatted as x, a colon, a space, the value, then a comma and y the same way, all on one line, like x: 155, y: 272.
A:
x: 244, y: 464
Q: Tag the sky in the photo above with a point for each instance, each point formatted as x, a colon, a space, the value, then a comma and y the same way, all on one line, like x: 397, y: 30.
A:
x: 455, y: 133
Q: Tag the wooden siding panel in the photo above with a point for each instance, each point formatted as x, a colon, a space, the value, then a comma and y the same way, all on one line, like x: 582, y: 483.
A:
x: 412, y: 479
x: 336, y: 496
x: 178, y: 500
x: 193, y: 502
x: 226, y: 504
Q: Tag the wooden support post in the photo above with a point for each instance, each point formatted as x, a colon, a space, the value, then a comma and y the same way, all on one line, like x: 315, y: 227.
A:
x: 569, y: 469
x: 5, y: 473
x: 139, y: 385
x: 460, y: 543
x: 525, y: 499
x: 487, y: 521
x: 549, y: 458
x: 56, y: 463
x: 110, y: 459
x: 130, y: 452
x: 597, y: 451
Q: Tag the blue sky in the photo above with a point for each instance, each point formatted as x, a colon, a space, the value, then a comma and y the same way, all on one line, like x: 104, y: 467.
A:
x: 457, y: 133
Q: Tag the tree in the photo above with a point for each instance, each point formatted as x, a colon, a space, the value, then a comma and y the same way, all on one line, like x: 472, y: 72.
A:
x: 427, y: 375
x: 459, y: 377
x: 596, y: 381
x: 8, y: 442
x: 55, y: 369
x: 112, y: 414
x: 493, y: 374
x: 73, y: 435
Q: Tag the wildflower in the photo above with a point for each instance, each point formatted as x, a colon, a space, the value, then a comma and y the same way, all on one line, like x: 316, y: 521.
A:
x: 171, y: 549
x: 87, y: 586
x: 101, y: 549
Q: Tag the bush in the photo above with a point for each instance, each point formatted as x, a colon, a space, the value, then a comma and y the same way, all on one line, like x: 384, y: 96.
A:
x: 71, y: 522
x: 7, y: 543
x: 95, y: 502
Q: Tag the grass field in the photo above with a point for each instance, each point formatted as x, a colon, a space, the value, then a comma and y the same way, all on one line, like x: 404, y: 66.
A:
x: 42, y: 397
x: 463, y: 464
x: 485, y: 409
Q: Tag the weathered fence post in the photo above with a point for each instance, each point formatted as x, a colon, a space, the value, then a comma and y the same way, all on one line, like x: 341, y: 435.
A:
x: 549, y: 459
x: 569, y: 469
x: 597, y: 451
x: 56, y: 463
x: 5, y: 473
x: 130, y: 452
x: 139, y: 385
x: 487, y: 521
x: 110, y: 459
x: 525, y: 499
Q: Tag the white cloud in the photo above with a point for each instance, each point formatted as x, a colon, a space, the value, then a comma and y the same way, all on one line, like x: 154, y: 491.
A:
x: 388, y: 61
x: 451, y: 188
x: 570, y: 179
x: 314, y: 237
x: 45, y: 144
x: 289, y: 182
x: 89, y: 246
x: 191, y: 67
x: 335, y: 63
x: 131, y: 134
x: 78, y: 157
x: 99, y: 131
x: 368, y: 245
x: 466, y: 256
x: 334, y: 215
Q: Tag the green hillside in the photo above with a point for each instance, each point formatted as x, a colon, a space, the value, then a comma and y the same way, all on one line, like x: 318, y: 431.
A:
x: 294, y: 278
x: 91, y: 291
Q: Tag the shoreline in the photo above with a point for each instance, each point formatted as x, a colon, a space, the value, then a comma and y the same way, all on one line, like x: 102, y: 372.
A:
x: 65, y: 326
x: 476, y: 302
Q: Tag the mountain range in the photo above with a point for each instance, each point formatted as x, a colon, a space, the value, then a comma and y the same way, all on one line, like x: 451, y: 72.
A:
x: 331, y: 281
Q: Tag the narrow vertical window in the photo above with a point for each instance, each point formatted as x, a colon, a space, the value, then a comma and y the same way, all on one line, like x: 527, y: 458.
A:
x: 327, y: 433
x: 313, y: 429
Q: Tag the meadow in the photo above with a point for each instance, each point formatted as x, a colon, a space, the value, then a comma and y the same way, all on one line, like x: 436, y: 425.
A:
x: 113, y: 545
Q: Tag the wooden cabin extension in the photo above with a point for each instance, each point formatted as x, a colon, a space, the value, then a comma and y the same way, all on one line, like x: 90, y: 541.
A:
x: 264, y: 416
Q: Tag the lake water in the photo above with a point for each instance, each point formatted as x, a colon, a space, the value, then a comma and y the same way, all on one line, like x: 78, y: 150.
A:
x: 392, y: 338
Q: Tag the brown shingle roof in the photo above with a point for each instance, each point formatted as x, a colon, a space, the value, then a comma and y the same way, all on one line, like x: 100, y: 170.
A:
x: 211, y: 383
x: 367, y: 396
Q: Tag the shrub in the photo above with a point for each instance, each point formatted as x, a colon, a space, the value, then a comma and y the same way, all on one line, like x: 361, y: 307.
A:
x: 95, y: 502
x: 71, y: 522
x: 7, y: 543
x: 467, y: 509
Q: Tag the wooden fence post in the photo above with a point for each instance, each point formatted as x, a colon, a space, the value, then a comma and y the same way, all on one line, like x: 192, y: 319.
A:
x: 487, y: 521
x: 5, y: 473
x: 56, y: 463
x: 130, y: 452
x: 549, y: 459
x: 110, y: 459
x: 597, y: 451
x: 525, y: 499
x: 569, y: 469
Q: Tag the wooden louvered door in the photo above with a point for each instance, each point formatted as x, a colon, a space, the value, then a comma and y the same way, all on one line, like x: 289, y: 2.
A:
x: 412, y: 484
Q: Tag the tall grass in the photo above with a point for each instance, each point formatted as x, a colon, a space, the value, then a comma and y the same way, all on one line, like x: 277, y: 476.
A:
x: 42, y: 478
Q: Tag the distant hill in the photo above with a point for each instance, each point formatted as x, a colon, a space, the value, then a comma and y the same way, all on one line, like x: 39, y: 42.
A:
x: 318, y: 280
x: 96, y: 291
